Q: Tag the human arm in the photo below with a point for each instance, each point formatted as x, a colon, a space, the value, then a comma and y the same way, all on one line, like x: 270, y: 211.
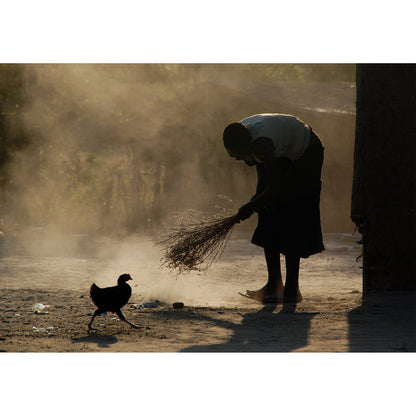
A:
x: 276, y: 172
x: 247, y: 209
x: 270, y: 178
x: 271, y: 174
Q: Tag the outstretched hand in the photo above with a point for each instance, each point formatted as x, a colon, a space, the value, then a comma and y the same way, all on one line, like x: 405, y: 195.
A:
x: 246, y: 211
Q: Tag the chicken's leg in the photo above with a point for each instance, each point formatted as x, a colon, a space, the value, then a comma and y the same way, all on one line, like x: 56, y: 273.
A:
x: 96, y: 313
x: 121, y: 316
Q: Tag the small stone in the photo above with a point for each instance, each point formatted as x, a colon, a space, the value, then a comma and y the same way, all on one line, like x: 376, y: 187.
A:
x: 178, y: 305
x: 150, y: 304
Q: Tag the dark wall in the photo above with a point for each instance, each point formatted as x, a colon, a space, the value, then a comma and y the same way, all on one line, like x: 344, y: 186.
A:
x: 383, y: 198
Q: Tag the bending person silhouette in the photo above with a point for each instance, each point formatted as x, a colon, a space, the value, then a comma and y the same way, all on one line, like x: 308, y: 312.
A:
x: 288, y: 156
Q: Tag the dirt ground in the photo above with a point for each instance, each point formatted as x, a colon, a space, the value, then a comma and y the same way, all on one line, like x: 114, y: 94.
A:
x: 331, y: 318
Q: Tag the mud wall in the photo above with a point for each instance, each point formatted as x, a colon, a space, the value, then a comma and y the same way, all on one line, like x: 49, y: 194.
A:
x: 384, y: 191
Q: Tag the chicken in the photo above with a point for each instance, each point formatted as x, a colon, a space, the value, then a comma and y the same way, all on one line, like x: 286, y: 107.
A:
x: 111, y: 299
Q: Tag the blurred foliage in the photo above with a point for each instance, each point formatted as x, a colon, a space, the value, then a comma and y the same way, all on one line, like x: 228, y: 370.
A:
x: 256, y: 72
x: 12, y: 99
x: 117, y: 147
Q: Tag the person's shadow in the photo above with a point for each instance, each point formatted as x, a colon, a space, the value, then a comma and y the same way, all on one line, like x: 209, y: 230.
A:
x: 263, y: 331
x: 384, y: 322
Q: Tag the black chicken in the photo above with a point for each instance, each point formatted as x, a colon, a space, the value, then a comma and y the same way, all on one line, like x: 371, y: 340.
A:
x: 111, y: 299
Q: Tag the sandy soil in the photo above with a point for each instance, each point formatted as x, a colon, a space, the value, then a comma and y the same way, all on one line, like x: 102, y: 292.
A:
x: 332, y: 316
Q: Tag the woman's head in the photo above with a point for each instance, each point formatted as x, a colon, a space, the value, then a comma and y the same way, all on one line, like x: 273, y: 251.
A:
x: 237, y: 140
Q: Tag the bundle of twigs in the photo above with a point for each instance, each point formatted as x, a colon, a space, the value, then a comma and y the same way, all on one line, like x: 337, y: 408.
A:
x: 195, y: 241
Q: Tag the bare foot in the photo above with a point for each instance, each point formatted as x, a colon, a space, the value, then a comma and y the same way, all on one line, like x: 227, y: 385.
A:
x: 266, y: 295
x: 292, y: 297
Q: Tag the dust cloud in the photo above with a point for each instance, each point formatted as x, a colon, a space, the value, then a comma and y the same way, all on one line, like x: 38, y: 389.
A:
x: 115, y: 150
x: 93, y: 164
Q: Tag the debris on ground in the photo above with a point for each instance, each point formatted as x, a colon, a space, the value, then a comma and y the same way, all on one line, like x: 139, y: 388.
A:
x: 43, y: 330
x: 40, y: 308
x: 152, y: 304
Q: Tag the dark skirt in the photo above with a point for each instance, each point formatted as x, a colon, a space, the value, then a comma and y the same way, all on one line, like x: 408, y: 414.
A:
x: 292, y: 223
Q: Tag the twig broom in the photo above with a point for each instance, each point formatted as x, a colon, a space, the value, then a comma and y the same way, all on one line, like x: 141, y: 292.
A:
x: 195, y: 242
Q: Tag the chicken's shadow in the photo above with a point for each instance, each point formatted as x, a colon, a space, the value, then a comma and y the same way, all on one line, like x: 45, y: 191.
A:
x: 102, y: 341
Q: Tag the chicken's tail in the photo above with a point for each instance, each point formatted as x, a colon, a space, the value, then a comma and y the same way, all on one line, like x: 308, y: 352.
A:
x: 94, y: 289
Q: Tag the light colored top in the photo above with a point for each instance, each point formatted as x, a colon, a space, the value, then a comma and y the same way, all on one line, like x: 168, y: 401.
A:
x: 289, y: 135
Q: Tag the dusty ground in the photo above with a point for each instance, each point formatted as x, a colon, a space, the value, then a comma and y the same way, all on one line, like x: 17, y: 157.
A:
x: 332, y: 316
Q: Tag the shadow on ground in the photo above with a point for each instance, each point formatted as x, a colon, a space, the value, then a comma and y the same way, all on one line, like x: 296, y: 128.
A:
x: 262, y: 331
x: 385, y: 322
x: 102, y: 341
